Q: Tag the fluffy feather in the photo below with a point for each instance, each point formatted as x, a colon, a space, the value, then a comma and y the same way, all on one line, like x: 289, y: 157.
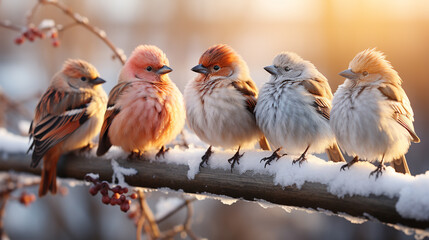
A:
x: 67, y: 117
x: 145, y: 109
x: 371, y: 115
x: 294, y: 106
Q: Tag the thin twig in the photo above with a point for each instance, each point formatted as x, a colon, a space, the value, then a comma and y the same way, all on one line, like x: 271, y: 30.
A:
x: 84, y: 22
x: 4, y: 199
x: 30, y: 15
x: 8, y: 25
x: 185, y: 227
x: 172, y: 212
x: 150, y: 226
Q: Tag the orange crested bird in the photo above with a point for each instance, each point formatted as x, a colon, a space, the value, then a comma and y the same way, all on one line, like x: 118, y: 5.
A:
x: 220, y: 102
x: 67, y: 117
x: 371, y: 115
x: 145, y: 109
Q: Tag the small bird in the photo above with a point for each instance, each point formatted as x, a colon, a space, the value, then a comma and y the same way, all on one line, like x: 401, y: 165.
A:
x: 293, y: 110
x: 371, y: 115
x: 220, y: 102
x: 67, y: 117
x: 145, y: 110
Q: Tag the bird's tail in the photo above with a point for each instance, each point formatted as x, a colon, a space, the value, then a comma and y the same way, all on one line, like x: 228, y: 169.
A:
x: 263, y: 143
x: 334, y: 153
x: 48, y: 181
x: 400, y: 165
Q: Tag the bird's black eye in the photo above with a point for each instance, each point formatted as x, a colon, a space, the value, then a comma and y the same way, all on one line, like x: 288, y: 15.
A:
x: 364, y: 73
x: 287, y: 69
x: 83, y: 78
x: 149, y: 68
x: 216, y: 67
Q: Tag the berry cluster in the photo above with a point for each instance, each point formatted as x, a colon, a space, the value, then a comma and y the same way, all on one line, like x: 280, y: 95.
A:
x: 118, y: 196
x: 33, y: 33
x: 27, y: 198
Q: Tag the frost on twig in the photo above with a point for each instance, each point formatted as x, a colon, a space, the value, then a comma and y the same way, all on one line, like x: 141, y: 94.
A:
x: 119, y: 173
x: 48, y: 27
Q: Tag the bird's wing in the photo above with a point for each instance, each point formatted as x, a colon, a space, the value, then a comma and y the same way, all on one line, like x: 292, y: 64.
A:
x: 111, y: 112
x: 249, y: 91
x: 322, y: 95
x: 403, y: 113
x: 58, y: 115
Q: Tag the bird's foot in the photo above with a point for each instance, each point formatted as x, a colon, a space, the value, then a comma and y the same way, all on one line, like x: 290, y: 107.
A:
x: 349, y: 164
x: 343, y: 168
x: 275, y: 156
x: 235, y: 159
x: 161, y: 152
x: 378, y: 171
x: 135, y: 154
x: 205, y: 158
x: 87, y: 148
x: 300, y: 160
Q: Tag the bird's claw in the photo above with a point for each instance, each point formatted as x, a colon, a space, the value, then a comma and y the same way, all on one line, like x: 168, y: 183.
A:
x: 275, y: 156
x: 205, y: 158
x: 87, y: 148
x: 137, y: 154
x: 161, y: 152
x: 235, y: 159
x: 301, y: 159
x: 343, y: 168
x: 378, y: 171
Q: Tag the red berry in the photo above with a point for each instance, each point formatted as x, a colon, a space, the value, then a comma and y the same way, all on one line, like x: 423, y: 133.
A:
x: 27, y: 198
x: 124, y: 190
x: 105, y: 199
x: 93, y: 190
x: 54, y: 34
x: 113, y: 201
x: 116, y: 196
x: 125, y: 207
x: 123, y: 198
x: 19, y: 40
x: 133, y: 196
x: 56, y: 43
x: 132, y: 214
x: 116, y: 189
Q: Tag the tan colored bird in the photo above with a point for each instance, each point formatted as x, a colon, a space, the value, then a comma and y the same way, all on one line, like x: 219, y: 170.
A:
x: 67, y: 117
x: 220, y: 102
x: 145, y: 109
x: 371, y: 115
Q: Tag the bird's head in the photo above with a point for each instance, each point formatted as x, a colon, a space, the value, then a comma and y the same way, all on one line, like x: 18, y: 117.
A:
x: 288, y: 65
x: 147, y: 62
x: 369, y: 66
x: 220, y: 61
x: 80, y: 74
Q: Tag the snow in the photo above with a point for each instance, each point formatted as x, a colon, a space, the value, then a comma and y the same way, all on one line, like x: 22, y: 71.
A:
x: 11, y: 143
x: 119, y: 173
x: 166, y: 205
x: 47, y: 24
x: 353, y: 181
x: 412, y: 191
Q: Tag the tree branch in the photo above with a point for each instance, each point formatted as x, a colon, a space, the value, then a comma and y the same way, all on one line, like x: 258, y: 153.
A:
x: 249, y: 186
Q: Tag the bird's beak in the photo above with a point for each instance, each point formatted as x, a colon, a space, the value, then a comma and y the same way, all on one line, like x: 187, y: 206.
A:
x: 97, y: 81
x: 200, y: 69
x: 271, y: 69
x: 165, y: 69
x: 349, y: 74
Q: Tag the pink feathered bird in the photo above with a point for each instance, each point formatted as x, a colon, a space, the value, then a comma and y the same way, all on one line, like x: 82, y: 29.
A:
x: 145, y: 109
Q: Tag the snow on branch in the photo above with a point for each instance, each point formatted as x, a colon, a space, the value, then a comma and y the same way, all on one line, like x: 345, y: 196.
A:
x: 394, y: 199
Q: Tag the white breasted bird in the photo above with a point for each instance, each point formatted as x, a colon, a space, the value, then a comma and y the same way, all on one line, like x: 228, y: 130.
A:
x: 371, y: 115
x: 293, y: 110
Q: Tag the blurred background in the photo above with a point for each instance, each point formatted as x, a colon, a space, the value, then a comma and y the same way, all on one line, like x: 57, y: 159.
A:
x: 328, y: 33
